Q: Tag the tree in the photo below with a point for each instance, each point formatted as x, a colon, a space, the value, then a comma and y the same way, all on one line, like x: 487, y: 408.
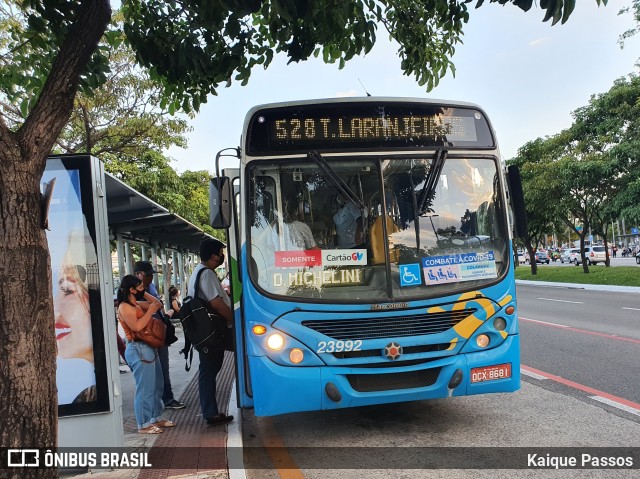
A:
x: 28, y: 348
x: 186, y: 195
x: 609, y: 126
x: 582, y: 187
x: 539, y: 182
x: 122, y: 123
x: 579, y: 182
x: 210, y: 43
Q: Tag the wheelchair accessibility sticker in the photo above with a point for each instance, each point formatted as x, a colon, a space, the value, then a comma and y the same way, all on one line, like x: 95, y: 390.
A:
x: 410, y: 274
x: 459, y: 267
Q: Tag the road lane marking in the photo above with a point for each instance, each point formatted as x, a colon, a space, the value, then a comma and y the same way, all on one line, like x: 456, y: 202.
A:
x: 616, y: 404
x: 280, y: 457
x: 532, y: 375
x: 544, y: 322
x: 577, y: 330
x: 632, y: 309
x: 595, y: 392
x: 561, y: 300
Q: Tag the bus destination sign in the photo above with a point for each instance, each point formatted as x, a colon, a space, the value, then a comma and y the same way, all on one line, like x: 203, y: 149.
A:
x: 370, y: 128
x: 325, y: 127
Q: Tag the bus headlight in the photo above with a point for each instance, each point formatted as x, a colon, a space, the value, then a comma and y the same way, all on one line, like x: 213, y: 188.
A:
x: 275, y: 342
x: 296, y: 355
x: 482, y: 340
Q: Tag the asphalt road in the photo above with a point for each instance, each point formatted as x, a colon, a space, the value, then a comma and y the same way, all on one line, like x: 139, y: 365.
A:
x: 590, y: 337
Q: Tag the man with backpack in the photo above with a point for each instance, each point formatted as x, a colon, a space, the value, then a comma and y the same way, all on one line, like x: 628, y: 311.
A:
x: 211, y: 291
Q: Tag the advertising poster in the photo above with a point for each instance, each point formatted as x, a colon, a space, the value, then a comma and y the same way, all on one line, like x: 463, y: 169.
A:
x: 76, y: 296
x: 455, y: 268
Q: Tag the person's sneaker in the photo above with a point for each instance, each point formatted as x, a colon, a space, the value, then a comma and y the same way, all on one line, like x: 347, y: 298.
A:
x: 175, y: 404
x: 219, y: 419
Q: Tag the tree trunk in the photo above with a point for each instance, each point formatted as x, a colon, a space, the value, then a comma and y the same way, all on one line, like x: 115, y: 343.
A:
x: 532, y: 258
x: 585, y: 266
x: 27, y: 336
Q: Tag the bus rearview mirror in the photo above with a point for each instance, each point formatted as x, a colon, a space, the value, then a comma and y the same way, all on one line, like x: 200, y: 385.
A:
x: 220, y: 202
x: 517, y: 201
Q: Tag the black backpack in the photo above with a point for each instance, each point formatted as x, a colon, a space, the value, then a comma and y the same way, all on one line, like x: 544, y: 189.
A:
x: 203, y: 330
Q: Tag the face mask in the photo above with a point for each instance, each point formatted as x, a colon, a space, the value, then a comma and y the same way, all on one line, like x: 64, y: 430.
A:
x: 140, y: 295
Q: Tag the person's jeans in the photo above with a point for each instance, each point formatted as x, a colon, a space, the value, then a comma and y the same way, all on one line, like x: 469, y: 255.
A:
x: 145, y: 364
x: 167, y: 394
x: 210, y: 365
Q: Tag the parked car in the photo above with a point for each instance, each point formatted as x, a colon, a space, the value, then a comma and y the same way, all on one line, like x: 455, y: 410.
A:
x: 522, y: 258
x: 569, y: 255
x: 541, y: 257
x: 593, y: 255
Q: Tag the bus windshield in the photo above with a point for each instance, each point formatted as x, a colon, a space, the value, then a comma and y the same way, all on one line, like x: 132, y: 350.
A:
x: 371, y: 228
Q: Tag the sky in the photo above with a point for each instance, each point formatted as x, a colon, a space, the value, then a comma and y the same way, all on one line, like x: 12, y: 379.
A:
x: 527, y: 75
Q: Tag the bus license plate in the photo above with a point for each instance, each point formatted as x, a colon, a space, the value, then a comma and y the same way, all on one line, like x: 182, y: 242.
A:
x: 489, y: 373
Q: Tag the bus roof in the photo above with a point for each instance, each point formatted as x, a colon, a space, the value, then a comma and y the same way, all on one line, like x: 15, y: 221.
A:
x: 362, y: 99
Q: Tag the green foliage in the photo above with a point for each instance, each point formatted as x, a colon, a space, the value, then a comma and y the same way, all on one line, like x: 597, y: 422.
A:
x: 592, y: 169
x: 618, y: 276
x: 609, y: 129
x: 556, y: 10
x: 540, y: 182
x: 123, y: 116
x: 30, y: 38
x: 635, y: 10
x: 186, y: 195
x: 192, y: 46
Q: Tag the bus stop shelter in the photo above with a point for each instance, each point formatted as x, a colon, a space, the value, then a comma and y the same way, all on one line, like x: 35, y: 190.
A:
x: 134, y: 219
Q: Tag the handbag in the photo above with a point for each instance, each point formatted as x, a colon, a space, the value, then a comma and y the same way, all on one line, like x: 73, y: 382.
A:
x: 153, y: 334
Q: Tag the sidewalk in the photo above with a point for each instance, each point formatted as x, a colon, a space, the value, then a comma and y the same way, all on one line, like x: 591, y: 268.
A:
x: 207, y: 445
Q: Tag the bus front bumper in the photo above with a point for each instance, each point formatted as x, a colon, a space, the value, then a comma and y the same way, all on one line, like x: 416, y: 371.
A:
x: 282, y: 389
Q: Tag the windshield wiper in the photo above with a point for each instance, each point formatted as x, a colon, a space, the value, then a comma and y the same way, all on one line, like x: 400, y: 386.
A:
x: 429, y: 189
x: 338, y: 182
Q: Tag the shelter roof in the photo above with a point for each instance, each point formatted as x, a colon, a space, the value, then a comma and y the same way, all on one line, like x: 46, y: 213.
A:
x: 138, y: 218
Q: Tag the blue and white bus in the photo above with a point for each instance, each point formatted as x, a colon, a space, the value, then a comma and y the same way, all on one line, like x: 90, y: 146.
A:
x: 370, y: 246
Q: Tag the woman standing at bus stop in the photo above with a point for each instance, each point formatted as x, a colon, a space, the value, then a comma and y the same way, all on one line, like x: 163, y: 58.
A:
x: 142, y: 358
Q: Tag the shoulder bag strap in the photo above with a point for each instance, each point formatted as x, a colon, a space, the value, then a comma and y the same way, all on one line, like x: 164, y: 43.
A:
x: 195, y: 290
x: 188, y: 349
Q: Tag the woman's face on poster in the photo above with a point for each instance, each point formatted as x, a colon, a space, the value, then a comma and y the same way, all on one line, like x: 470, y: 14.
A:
x: 73, y: 319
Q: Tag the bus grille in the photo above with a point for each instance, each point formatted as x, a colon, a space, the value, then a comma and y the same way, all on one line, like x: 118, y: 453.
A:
x: 366, y: 383
x: 393, y: 327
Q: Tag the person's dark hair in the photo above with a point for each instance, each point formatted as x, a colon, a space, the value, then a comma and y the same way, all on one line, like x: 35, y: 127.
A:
x: 209, y: 247
x: 291, y: 208
x: 128, y: 282
x: 173, y: 291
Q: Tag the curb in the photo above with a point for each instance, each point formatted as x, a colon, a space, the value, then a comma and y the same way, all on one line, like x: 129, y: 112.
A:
x: 235, y: 462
